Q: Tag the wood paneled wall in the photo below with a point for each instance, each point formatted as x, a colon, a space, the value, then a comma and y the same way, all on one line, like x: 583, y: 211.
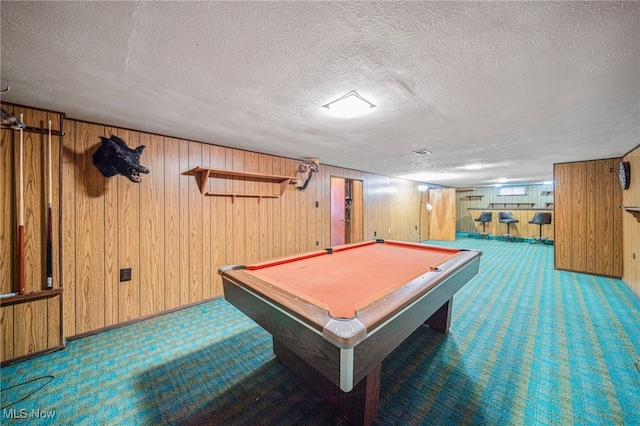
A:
x: 175, y: 239
x: 541, y: 196
x: 33, y: 326
x: 588, y: 219
x: 631, y: 225
x: 172, y: 237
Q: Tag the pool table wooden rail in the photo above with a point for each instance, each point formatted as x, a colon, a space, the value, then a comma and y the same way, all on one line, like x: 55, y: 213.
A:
x: 309, y: 343
x: 346, y: 333
x: 374, y: 314
x: 294, y: 305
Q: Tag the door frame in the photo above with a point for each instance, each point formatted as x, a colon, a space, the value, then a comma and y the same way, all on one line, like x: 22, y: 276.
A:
x: 353, y: 211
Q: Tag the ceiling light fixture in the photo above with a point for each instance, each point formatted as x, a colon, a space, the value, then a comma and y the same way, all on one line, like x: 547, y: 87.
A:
x: 473, y: 166
x: 349, y: 106
x: 421, y: 152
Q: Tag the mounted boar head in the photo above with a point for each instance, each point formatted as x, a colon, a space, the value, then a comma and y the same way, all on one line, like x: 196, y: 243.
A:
x: 115, y: 157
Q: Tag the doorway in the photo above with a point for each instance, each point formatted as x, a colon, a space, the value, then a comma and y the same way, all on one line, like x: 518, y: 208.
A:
x: 346, y: 211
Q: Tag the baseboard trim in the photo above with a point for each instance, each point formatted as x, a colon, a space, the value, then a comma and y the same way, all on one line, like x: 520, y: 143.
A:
x: 137, y: 320
x: 32, y: 355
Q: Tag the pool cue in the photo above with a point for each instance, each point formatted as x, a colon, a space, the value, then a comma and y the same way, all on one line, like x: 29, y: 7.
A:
x: 49, y: 217
x: 21, y: 260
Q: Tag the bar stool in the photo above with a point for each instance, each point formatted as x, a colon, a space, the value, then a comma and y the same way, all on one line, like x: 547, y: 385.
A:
x: 540, y: 219
x: 485, y: 217
x: 507, y: 217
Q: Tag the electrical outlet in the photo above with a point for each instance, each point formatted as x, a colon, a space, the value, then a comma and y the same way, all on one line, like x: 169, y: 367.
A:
x: 125, y: 274
x: 317, y: 204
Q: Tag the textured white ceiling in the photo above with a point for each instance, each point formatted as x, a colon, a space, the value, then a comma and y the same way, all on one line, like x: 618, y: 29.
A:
x: 516, y: 86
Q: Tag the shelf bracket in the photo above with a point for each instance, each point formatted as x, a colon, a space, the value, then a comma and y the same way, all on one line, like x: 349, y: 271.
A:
x: 635, y: 211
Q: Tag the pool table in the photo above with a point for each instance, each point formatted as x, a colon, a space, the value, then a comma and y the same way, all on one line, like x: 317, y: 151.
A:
x: 336, y: 313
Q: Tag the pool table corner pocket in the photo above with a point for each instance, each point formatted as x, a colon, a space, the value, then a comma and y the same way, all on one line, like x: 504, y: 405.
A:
x: 344, y: 333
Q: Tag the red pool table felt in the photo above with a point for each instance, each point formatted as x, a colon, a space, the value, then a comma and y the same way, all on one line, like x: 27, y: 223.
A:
x: 349, y: 277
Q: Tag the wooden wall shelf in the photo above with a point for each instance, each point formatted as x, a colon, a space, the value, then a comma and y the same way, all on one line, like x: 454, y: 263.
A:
x: 511, y: 205
x: 496, y: 209
x: 202, y: 175
x: 472, y: 197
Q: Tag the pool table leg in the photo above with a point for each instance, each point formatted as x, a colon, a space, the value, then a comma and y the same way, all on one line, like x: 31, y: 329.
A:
x: 441, y: 319
x: 360, y: 406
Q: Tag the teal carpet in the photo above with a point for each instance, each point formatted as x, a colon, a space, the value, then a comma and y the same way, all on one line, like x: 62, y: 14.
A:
x: 528, y: 346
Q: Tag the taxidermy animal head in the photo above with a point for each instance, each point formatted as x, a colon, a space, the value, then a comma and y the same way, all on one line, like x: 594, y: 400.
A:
x: 9, y: 121
x: 115, y: 157
x: 304, y: 173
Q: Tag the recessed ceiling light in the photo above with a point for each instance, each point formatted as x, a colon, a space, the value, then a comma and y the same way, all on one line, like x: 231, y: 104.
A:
x: 421, y: 152
x: 349, y: 106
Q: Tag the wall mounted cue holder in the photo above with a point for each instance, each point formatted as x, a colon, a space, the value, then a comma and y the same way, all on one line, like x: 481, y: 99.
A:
x: 38, y: 130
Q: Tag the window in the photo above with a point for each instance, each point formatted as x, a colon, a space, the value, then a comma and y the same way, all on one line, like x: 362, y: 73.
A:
x: 512, y: 190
